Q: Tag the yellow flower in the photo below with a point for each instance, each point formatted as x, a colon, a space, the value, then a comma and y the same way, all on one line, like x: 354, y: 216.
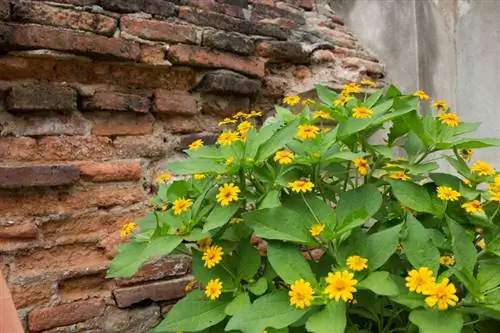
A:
x: 481, y: 243
x: 473, y: 206
x: 340, y: 285
x: 362, y: 165
x: 466, y: 154
x: 199, y: 176
x: 342, y: 100
x: 163, y: 178
x: 317, y: 229
x: 467, y: 182
x: 351, y: 88
x: 227, y: 138
x: 307, y: 132
x: 421, y: 94
x: 419, y: 280
x: 239, y: 115
x: 181, y: 205
x: 479, y: 230
x: 212, y: 256
x: 494, y: 196
x: 284, y: 157
x: 190, y: 285
x: 244, y: 127
x: 362, y: 112
x: 357, y: 263
x: 213, y: 289
x: 442, y: 294
x: 308, y: 102
x: 322, y: 115
x: 301, y: 294
x: 447, y: 261
x: 254, y: 114
x: 196, y: 144
x: 264, y: 331
x: 229, y: 161
x: 204, y: 243
x: 368, y: 83
x: 440, y: 104
x: 483, y: 168
x: 127, y: 229
x: 449, y: 119
x: 227, y: 194
x: 291, y: 100
x: 227, y: 121
x: 164, y: 208
x: 301, y: 186
x: 235, y: 220
x: 399, y: 175
x: 447, y: 193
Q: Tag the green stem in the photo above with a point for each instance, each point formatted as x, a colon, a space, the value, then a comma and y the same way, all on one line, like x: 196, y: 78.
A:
x: 228, y: 271
x: 310, y: 209
x: 242, y: 181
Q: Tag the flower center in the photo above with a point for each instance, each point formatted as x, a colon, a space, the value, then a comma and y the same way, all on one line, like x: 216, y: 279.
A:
x: 339, y: 284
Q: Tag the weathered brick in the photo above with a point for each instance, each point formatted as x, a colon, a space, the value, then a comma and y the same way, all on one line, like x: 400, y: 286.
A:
x: 370, y: 68
x: 224, y: 106
x: 322, y: 56
x: 140, y: 146
x: 183, y: 125
x: 278, y: 51
x: 280, y: 22
x: 38, y: 176
x: 60, y: 148
x: 224, y: 81
x: 111, y: 171
x: 156, y: 291
x: 4, y: 9
x: 19, y: 231
x: 124, y: 125
x: 155, y: 7
x: 31, y: 294
x: 36, y: 37
x: 225, y: 8
x: 306, y: 4
x: 174, y: 102
x: 205, y: 57
x: 76, y: 2
x: 41, y: 97
x: 18, y: 149
x: 173, y: 265
x: 51, y: 124
x: 263, y: 11
x: 63, y: 315
x: 186, y: 140
x: 61, y: 17
x: 228, y: 41
x: 114, y: 101
x: 225, y: 22
x: 153, y: 55
x: 240, y: 3
x: 159, y: 30
x: 85, y: 287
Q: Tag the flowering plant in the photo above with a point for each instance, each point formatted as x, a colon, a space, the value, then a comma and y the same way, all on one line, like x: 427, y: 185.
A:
x: 308, y: 224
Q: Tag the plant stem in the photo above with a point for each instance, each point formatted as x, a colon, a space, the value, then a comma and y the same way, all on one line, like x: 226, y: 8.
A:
x: 310, y: 209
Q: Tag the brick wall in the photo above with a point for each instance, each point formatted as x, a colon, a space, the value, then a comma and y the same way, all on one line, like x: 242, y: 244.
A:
x: 96, y: 95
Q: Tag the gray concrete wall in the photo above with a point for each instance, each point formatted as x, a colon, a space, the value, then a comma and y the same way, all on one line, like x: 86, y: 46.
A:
x: 450, y: 48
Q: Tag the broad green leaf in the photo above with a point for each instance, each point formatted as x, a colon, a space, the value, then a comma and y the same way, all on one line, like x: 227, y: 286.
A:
x: 248, y: 261
x: 332, y: 319
x: 326, y: 95
x: 468, y: 280
x: 258, y: 287
x: 352, y: 126
x: 272, y: 199
x: 433, y: 321
x: 133, y: 255
x: 271, y: 310
x: 459, y: 165
x: 392, y: 91
x: 358, y: 205
x: 342, y: 157
x: 380, y: 283
x: 289, y: 263
x: 195, y: 165
x: 276, y: 142
x: 373, y: 98
x: 414, y: 122
x: 278, y: 223
x: 313, y: 209
x: 262, y: 136
x: 380, y: 246
x: 462, y: 245
x: 220, y: 216
x: 383, y: 107
x: 204, y: 274
x: 205, y: 152
x: 489, y: 276
x: 477, y: 143
x: 412, y: 301
x: 195, y: 235
x: 418, y: 246
x: 239, y: 303
x: 193, y: 313
x: 412, y: 196
x: 466, y: 128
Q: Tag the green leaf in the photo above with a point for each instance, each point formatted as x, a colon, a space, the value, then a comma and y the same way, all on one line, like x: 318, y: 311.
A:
x: 195, y: 165
x: 205, y: 152
x: 272, y: 199
x: 356, y: 206
x: 248, y: 261
x: 177, y: 189
x: 383, y: 107
x: 462, y: 245
x: 373, y: 98
x: 289, y: 263
x: 381, y: 245
x: 411, y: 195
x: 326, y: 95
x: 489, y: 276
x: 476, y: 143
x: 133, y: 255
x: 262, y: 136
x: 220, y: 216
x: 239, y: 303
x: 433, y: 321
x: 412, y: 301
x: 193, y: 313
x: 278, y: 223
x: 352, y: 126
x: 279, y: 140
x: 204, y: 274
x: 258, y: 287
x: 380, y: 283
x: 332, y: 319
x: 315, y: 211
x: 271, y: 310
x: 418, y: 246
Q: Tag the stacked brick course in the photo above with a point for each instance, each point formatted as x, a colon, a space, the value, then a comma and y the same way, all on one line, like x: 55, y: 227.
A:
x: 95, y: 96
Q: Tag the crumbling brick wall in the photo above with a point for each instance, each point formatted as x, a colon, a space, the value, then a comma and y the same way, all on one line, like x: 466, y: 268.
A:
x: 96, y: 95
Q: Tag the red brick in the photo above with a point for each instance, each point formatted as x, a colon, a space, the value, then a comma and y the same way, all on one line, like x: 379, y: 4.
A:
x: 59, y: 261
x: 159, y: 30
x: 173, y: 265
x: 205, y: 57
x: 174, y: 102
x: 58, y: 148
x: 156, y: 291
x: 114, y: 101
x: 19, y: 231
x: 38, y: 176
x: 20, y: 149
x: 278, y: 51
x: 280, y: 22
x: 31, y: 294
x: 183, y: 125
x: 63, y: 315
x: 36, y: 37
x: 23, y: 204
x: 153, y: 55
x: 228, y: 9
x: 41, y: 97
x: 130, y: 125
x: 61, y: 17
x: 155, y: 7
x: 140, y: 146
x: 263, y: 11
x: 85, y: 287
x: 111, y: 171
